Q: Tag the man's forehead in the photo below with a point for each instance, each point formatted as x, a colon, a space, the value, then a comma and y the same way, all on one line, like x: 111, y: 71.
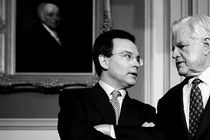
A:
x: 51, y: 8
x: 125, y: 45
x: 181, y: 34
x: 182, y: 30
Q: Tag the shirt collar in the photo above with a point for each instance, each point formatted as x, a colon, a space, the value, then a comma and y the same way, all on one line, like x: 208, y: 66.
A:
x: 204, y: 77
x: 53, y: 33
x: 109, y: 89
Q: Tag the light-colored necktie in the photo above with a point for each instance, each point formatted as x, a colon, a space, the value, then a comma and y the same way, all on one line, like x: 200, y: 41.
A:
x: 196, y: 107
x: 116, y: 105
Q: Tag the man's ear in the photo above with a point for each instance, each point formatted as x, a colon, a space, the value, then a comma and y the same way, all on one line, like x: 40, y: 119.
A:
x: 103, y: 61
x: 206, y: 46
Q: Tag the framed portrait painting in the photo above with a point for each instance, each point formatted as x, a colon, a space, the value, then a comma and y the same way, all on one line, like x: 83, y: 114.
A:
x: 38, y: 51
x: 31, y: 51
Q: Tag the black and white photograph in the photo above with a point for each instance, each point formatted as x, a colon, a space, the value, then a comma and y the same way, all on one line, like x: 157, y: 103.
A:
x: 104, y: 69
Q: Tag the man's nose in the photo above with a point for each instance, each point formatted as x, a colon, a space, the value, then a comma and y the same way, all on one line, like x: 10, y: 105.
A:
x: 138, y: 63
x: 175, y: 52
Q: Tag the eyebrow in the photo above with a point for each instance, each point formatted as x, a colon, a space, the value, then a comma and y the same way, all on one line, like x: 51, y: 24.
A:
x: 138, y: 56
x: 128, y: 52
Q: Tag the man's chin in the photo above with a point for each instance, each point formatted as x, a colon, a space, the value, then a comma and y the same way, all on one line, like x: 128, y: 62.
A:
x: 132, y: 83
x: 181, y: 73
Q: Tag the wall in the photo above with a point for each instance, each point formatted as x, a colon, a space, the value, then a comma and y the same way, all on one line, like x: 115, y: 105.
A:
x: 28, y: 105
x: 129, y: 15
x: 29, y: 135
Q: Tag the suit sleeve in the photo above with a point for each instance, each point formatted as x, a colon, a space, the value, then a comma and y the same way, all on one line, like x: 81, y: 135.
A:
x: 72, y: 121
x: 139, y: 133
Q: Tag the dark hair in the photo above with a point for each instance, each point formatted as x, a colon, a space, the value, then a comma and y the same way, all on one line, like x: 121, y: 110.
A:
x: 104, y: 45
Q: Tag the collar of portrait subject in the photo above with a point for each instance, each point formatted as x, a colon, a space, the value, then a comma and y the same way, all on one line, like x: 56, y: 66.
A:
x: 53, y: 33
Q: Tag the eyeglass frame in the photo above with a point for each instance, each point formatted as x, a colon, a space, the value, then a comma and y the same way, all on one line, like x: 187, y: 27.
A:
x: 130, y: 57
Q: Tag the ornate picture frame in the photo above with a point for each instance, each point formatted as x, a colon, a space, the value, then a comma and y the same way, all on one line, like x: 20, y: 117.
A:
x: 11, y: 79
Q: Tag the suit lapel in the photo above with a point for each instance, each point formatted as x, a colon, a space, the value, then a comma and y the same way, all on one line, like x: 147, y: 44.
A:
x: 128, y: 108
x: 205, y: 120
x: 101, y: 101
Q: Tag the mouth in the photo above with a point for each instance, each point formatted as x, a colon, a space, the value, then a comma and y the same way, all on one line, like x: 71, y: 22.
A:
x: 179, y: 62
x: 135, y: 74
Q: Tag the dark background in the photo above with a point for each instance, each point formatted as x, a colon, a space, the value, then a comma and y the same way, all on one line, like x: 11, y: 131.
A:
x: 77, y: 31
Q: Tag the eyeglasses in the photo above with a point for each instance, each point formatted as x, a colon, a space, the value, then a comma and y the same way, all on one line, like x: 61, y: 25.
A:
x: 130, y: 57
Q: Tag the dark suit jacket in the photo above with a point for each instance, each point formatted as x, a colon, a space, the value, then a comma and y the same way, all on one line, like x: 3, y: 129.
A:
x: 140, y: 133
x: 40, y: 51
x: 171, y: 115
x: 82, y: 109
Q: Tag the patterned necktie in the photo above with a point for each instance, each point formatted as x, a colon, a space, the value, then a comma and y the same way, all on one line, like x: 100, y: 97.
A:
x: 115, y: 103
x: 196, y: 107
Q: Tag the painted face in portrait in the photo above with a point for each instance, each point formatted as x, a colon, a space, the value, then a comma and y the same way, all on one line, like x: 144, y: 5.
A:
x: 188, y: 52
x: 123, y: 65
x: 51, y: 16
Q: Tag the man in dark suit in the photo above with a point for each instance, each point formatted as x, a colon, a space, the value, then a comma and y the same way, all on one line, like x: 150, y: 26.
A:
x: 177, y: 109
x: 83, y: 112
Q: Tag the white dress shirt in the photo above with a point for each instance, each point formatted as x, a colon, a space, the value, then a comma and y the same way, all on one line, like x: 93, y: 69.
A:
x: 109, y: 89
x: 205, y: 92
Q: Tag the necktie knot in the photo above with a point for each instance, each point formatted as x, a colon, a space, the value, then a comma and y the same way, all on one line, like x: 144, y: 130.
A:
x: 116, y: 94
x: 196, y: 81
